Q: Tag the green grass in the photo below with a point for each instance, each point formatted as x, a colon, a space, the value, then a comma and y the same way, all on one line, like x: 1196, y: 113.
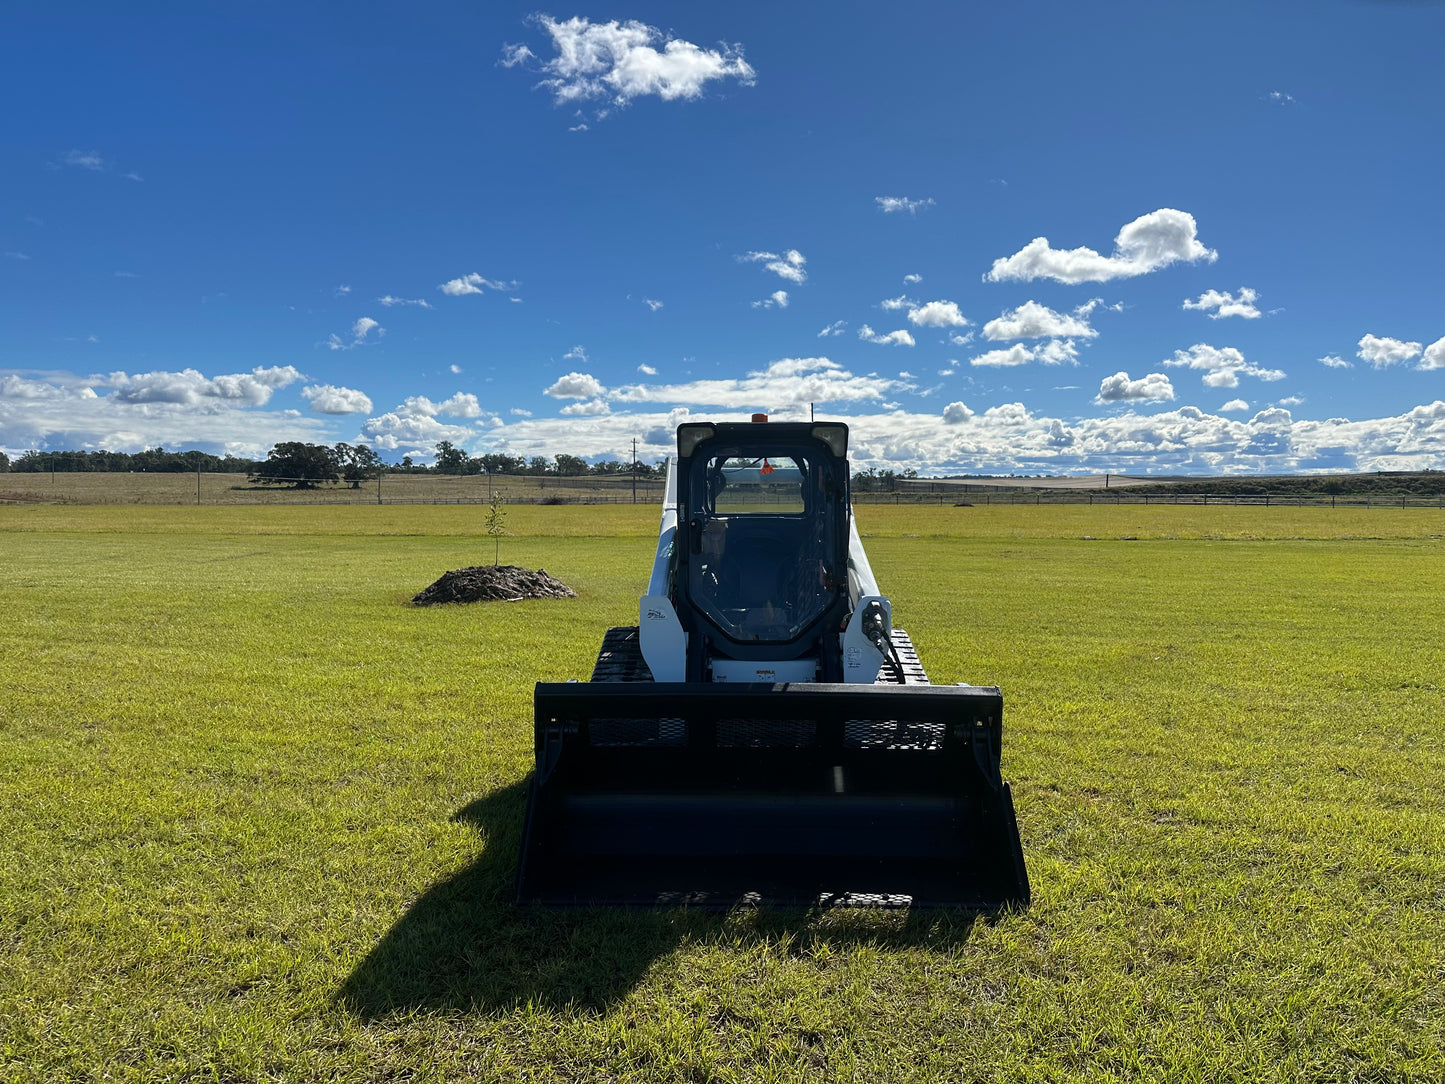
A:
x: 260, y: 815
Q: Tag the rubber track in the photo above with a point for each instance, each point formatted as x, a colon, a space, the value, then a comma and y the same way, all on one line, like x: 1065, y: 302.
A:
x: 620, y: 659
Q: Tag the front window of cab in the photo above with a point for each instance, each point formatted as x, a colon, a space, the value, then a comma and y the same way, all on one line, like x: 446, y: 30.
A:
x: 761, y: 544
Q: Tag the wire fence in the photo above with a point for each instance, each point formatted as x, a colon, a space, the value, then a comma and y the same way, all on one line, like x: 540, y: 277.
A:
x: 418, y: 489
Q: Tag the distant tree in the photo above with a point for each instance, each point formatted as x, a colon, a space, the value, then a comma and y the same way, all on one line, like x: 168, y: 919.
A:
x: 357, y: 463
x: 4, y: 463
x: 303, y: 465
x: 450, y: 459
x: 570, y: 465
x: 538, y: 465
x: 502, y: 463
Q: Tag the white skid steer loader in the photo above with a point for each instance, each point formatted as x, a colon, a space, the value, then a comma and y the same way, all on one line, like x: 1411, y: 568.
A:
x: 764, y: 734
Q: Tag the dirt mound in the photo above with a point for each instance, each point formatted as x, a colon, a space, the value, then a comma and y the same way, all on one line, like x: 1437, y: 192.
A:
x: 493, y: 583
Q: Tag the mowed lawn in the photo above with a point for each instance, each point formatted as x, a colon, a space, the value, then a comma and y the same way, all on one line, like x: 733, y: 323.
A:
x: 259, y: 816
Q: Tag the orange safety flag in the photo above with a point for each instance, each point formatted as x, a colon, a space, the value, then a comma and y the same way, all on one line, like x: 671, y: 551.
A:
x: 767, y: 468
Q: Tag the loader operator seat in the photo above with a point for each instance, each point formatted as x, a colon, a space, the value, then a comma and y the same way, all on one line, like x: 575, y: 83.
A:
x: 758, y: 576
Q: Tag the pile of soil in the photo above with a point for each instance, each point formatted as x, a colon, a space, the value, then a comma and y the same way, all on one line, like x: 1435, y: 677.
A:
x: 493, y: 583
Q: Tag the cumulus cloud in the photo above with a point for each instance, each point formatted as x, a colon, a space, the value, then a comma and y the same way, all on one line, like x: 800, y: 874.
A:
x: 1225, y: 304
x: 652, y: 303
x: 1382, y: 352
x: 787, y: 383
x: 835, y: 328
x: 893, y: 304
x: 937, y: 314
x: 1333, y: 361
x: 329, y: 399
x: 1034, y: 321
x: 1149, y: 243
x: 895, y: 204
x: 359, y: 332
x: 460, y: 405
x: 789, y: 265
x: 1434, y: 355
x: 577, y: 353
x: 912, y: 280
x: 389, y: 301
x: 190, y: 388
x: 591, y: 407
x: 577, y: 386
x: 778, y: 299
x: 1235, y: 404
x: 619, y: 62
x: 894, y: 338
x: 1053, y: 352
x: 1222, y: 365
x: 474, y: 283
x: 1119, y: 388
x: 647, y: 370
x: 956, y: 413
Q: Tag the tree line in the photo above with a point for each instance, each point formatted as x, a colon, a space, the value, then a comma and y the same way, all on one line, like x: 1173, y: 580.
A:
x: 308, y: 465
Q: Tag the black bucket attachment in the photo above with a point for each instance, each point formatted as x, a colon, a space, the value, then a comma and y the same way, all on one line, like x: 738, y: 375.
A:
x: 717, y: 794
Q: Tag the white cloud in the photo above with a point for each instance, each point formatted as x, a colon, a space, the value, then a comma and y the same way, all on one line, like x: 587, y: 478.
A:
x: 455, y: 369
x: 894, y: 338
x: 955, y: 413
x: 90, y: 160
x: 1226, y: 304
x: 474, y: 283
x: 411, y: 425
x: 619, y: 62
x: 1288, y: 401
x: 778, y: 299
x: 652, y: 303
x: 790, y: 383
x: 577, y: 386
x: 1056, y: 352
x: 343, y: 290
x: 912, y: 280
x: 359, y: 332
x: 960, y: 340
x: 460, y: 405
x: 190, y: 388
x: 788, y: 266
x: 1150, y: 242
x: 937, y: 314
x: 591, y: 407
x: 1234, y: 404
x: 647, y: 370
x: 1118, y: 388
x: 1034, y: 321
x: 577, y: 353
x: 1053, y: 352
x: 520, y: 413
x: 1434, y: 355
x: 389, y: 301
x: 1222, y: 365
x: 1279, y: 97
x: 893, y: 304
x: 329, y: 399
x: 1382, y: 352
x: 835, y: 328
x: 1333, y: 361
x: 1018, y: 354
x: 893, y: 204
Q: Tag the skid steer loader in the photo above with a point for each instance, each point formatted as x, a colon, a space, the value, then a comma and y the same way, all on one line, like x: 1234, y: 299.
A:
x: 764, y: 734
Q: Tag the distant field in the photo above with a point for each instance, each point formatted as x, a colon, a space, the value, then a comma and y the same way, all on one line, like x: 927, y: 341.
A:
x: 260, y: 814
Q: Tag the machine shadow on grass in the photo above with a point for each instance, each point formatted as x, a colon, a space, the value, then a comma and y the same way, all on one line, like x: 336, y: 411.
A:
x: 465, y: 946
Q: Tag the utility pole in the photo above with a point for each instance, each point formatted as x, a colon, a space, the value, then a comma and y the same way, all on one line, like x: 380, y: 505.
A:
x: 634, y: 470
x: 198, y: 483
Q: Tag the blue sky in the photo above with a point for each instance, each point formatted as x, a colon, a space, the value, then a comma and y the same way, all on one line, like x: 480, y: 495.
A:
x: 1041, y: 237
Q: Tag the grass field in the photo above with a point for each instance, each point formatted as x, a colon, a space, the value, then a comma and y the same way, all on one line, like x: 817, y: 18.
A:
x: 260, y: 816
